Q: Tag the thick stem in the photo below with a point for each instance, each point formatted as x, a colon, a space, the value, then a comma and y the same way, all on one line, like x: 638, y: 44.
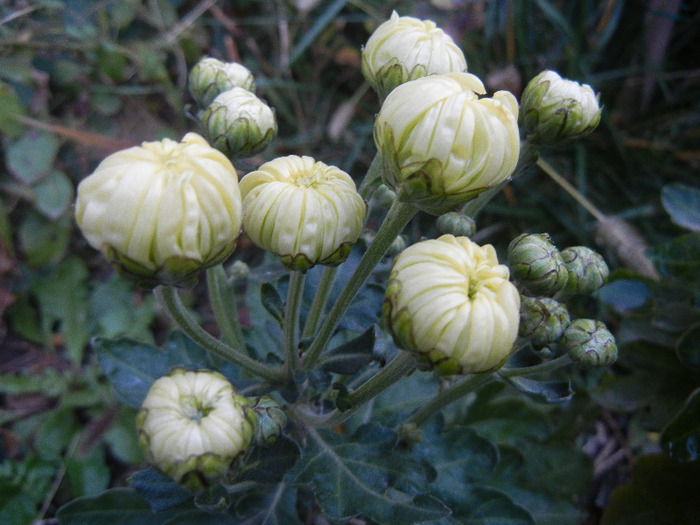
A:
x: 397, y: 368
x: 447, y: 396
x: 398, y: 216
x: 547, y: 366
x: 319, y: 303
x: 290, y: 330
x: 170, y: 300
x: 223, y: 304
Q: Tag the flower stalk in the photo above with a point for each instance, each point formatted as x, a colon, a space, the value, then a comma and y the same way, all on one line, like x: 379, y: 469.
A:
x: 290, y: 328
x: 223, y: 304
x: 319, y: 302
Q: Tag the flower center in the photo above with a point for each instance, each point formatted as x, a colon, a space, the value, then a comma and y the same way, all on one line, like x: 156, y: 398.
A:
x: 194, y: 408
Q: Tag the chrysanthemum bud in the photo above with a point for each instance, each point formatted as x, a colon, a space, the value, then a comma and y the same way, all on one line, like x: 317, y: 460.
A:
x: 193, y: 425
x: 457, y: 224
x: 210, y: 77
x: 239, y: 124
x: 556, y: 109
x: 405, y: 48
x: 383, y: 196
x: 271, y: 420
x: 239, y: 271
x: 305, y: 211
x: 542, y: 320
x: 162, y: 211
x: 397, y: 246
x: 586, y: 268
x: 442, y: 145
x: 589, y: 343
x: 450, y: 302
x: 537, y: 264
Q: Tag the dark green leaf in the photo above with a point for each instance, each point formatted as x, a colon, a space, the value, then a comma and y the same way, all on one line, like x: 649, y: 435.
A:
x: 543, y: 391
x: 679, y: 258
x: 681, y: 438
x: 42, y: 241
x: 688, y: 348
x: 624, y: 294
x: 271, y: 300
x: 352, y: 355
x: 122, y: 437
x: 53, y: 194
x: 32, y: 157
x: 23, y: 486
x: 270, y: 464
x: 11, y: 108
x: 56, y: 433
x: 359, y: 475
x: 682, y: 203
x: 661, y: 492
x: 273, y: 506
x: 160, y: 491
x: 487, y: 506
x: 88, y: 474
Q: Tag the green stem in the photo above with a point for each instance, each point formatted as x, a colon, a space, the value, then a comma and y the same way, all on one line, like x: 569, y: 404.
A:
x: 397, y: 368
x: 396, y: 219
x: 374, y: 172
x: 319, y: 302
x: 223, y: 304
x: 170, y: 300
x: 547, y: 366
x: 444, y: 398
x: 290, y: 328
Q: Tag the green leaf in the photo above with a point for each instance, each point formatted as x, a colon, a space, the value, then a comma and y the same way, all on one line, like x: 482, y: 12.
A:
x: 54, y: 194
x: 366, y: 475
x: 351, y: 356
x: 56, y: 433
x: 270, y: 464
x: 679, y: 258
x: 161, y: 491
x: 682, y: 203
x: 688, y: 348
x: 272, y: 301
x: 661, y: 492
x: 11, y: 108
x: 681, y: 437
x: 63, y: 299
x: 43, y: 241
x: 88, y: 474
x: 23, y: 486
x: 32, y: 157
x: 487, y: 506
x: 273, y: 506
x: 543, y: 391
x: 624, y: 294
x: 122, y: 437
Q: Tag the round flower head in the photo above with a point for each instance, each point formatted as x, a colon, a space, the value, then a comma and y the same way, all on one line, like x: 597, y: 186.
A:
x: 239, y: 124
x: 442, y: 145
x: 193, y: 425
x: 537, y: 264
x: 210, y: 77
x: 555, y: 109
x: 587, y: 270
x: 305, y: 211
x: 589, y: 343
x: 405, y: 48
x: 449, y: 301
x: 162, y: 211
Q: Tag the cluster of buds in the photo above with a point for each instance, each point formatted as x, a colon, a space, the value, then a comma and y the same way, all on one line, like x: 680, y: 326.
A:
x: 451, y: 303
x: 556, y: 110
x: 193, y: 426
x: 235, y: 120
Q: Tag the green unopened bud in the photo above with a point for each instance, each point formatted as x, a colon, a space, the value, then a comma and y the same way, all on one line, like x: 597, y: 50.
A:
x: 162, y: 211
x: 450, y: 302
x: 239, y: 271
x: 586, y: 268
x: 210, y: 77
x: 537, y: 264
x: 193, y: 425
x: 542, y: 320
x: 384, y: 196
x: 397, y: 246
x: 239, y: 124
x: 442, y: 145
x: 405, y: 48
x: 457, y: 224
x: 304, y: 211
x: 555, y: 110
x: 589, y: 343
x: 271, y: 420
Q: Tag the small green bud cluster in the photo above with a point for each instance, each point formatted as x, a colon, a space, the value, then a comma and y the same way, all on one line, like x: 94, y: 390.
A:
x: 235, y: 120
x: 589, y: 343
x: 457, y: 224
x: 271, y: 420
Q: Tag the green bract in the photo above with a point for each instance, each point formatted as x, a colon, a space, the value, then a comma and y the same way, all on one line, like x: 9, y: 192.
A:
x: 192, y: 425
x: 210, y: 77
x: 589, y: 343
x: 537, y: 264
x: 442, y: 145
x: 305, y: 211
x: 239, y: 124
x: 542, y: 320
x: 162, y: 211
x: 406, y: 48
x: 586, y: 268
x: 449, y: 301
x: 556, y: 109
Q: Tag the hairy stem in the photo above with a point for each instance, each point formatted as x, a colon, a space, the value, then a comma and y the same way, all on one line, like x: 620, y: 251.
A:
x: 223, y: 304
x: 319, y: 303
x: 290, y: 324
x: 547, y: 366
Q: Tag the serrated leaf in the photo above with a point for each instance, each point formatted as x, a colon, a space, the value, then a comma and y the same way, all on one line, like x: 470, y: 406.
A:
x: 682, y: 203
x: 681, y: 437
x: 160, y: 491
x: 662, y: 491
x: 359, y: 475
x: 32, y: 156
x: 273, y: 506
x: 543, y: 391
x: 487, y: 506
x: 270, y: 464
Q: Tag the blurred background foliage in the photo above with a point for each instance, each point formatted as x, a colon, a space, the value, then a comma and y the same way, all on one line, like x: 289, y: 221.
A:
x: 80, y: 79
